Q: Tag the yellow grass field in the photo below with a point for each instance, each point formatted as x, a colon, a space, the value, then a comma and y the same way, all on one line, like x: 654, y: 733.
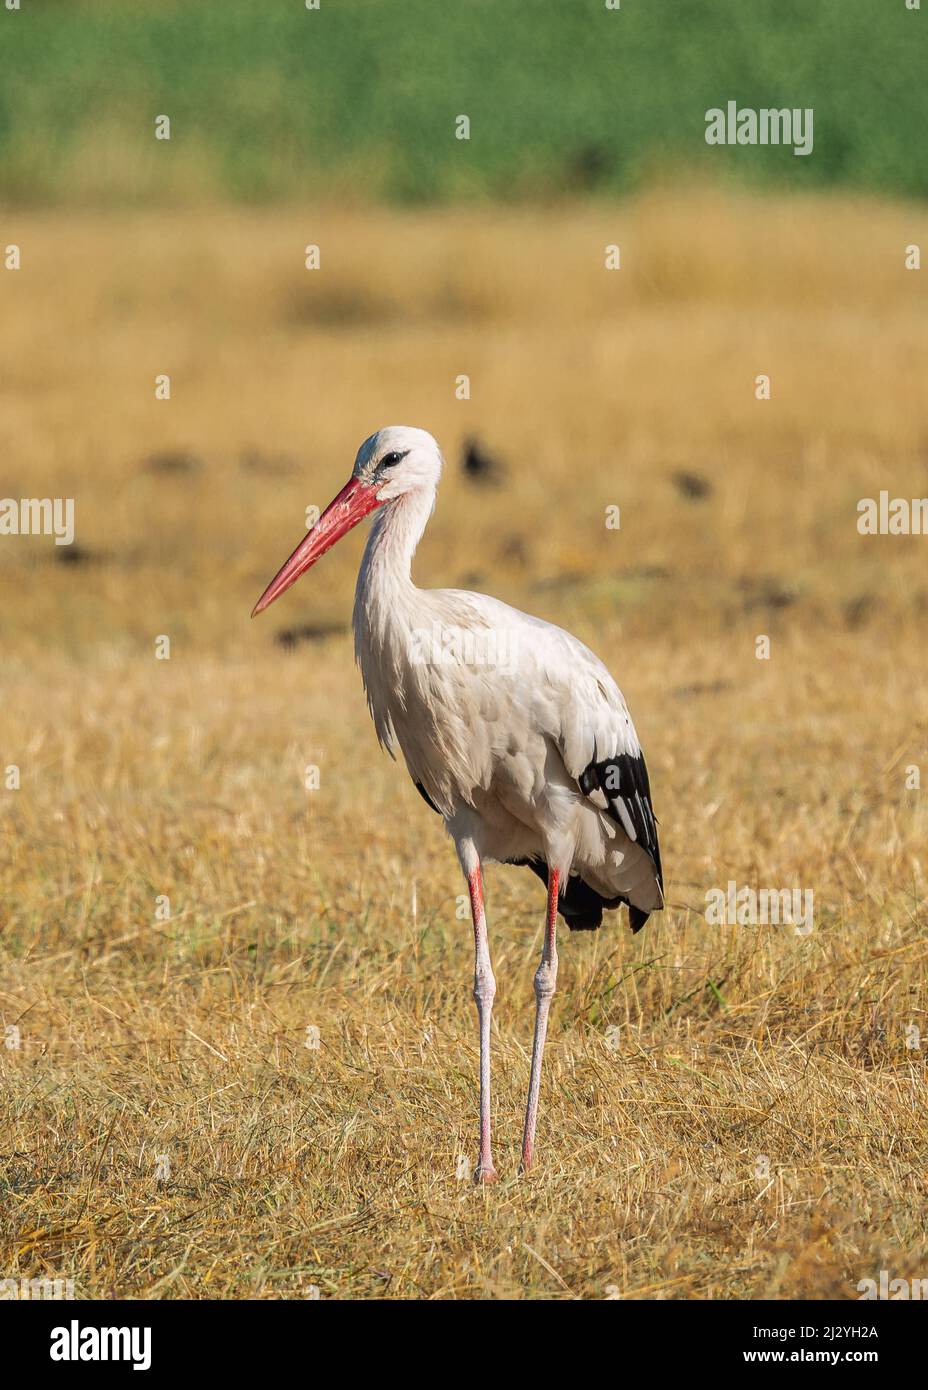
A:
x: 727, y: 1112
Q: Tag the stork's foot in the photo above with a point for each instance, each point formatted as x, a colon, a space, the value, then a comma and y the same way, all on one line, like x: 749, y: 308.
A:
x: 485, y: 1173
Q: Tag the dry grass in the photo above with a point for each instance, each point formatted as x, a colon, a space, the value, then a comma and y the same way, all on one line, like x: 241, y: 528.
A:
x: 336, y: 1167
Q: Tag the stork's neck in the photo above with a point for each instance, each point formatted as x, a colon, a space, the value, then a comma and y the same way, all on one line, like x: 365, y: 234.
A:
x: 385, y: 594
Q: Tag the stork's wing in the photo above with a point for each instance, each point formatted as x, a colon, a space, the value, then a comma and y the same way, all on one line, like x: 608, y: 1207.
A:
x: 621, y: 782
x: 550, y: 689
x: 593, y: 730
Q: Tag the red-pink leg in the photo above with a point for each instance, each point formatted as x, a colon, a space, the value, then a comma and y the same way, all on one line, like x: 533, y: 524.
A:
x: 484, y: 994
x: 545, y: 983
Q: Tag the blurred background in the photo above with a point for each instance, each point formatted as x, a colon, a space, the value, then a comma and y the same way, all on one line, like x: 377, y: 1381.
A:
x: 184, y: 779
x: 441, y: 257
x: 272, y: 102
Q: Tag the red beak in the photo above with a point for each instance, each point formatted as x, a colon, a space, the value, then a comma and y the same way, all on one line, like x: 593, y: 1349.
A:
x: 355, y: 501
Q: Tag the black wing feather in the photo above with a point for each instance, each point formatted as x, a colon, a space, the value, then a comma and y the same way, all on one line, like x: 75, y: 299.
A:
x: 623, y: 780
x: 426, y: 798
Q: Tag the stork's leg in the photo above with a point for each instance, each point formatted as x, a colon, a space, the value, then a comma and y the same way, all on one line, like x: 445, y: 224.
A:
x: 484, y: 994
x: 545, y: 982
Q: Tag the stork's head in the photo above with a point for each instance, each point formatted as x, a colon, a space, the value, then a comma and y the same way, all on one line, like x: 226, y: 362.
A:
x: 397, y: 460
x: 391, y: 464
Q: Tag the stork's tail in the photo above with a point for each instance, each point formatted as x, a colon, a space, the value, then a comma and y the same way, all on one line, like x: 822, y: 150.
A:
x: 580, y: 905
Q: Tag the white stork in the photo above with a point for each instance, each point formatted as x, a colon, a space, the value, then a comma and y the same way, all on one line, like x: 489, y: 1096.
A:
x: 511, y: 729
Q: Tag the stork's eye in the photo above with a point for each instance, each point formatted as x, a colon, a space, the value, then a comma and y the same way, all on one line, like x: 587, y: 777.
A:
x: 389, y: 460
